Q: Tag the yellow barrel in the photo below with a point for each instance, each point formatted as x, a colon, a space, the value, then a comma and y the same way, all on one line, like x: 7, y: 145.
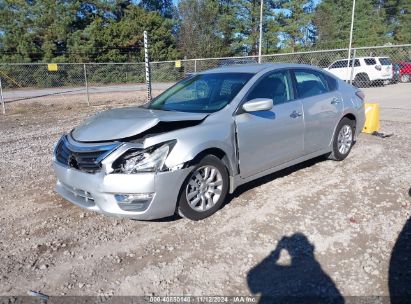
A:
x: 372, y: 117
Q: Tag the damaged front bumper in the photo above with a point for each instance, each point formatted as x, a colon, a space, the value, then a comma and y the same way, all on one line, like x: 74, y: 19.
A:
x: 142, y: 196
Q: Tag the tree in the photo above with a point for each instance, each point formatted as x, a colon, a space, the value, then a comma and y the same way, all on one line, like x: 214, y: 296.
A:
x: 295, y: 20
x: 398, y: 19
x: 199, y: 34
x: 32, y: 32
x: 211, y: 28
x: 333, y: 19
x: 81, y: 31
x: 120, y: 41
x: 247, y: 30
x: 164, y: 7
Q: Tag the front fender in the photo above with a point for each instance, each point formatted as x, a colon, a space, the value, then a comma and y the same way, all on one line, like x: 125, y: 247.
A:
x: 194, y: 140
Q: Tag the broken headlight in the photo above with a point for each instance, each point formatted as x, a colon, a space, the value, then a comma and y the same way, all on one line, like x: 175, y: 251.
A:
x: 151, y: 159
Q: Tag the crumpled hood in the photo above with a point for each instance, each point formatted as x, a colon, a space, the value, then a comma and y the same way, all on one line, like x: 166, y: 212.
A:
x: 127, y: 122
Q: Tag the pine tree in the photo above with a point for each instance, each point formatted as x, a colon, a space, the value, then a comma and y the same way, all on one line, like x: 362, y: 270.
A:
x: 398, y: 18
x: 199, y: 33
x: 295, y: 21
x: 333, y: 19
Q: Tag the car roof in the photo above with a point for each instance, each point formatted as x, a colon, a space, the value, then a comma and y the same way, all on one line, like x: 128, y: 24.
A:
x: 372, y: 57
x: 364, y: 57
x: 255, y: 68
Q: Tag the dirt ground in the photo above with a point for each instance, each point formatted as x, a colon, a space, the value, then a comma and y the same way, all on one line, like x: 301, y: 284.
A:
x: 322, y: 227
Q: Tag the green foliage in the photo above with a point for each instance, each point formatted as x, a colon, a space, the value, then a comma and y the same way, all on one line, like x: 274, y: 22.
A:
x: 295, y: 21
x: 376, y: 22
x: 120, y: 41
x: 82, y: 31
x: 112, y: 31
x: 164, y: 7
x: 398, y: 18
x: 199, y: 34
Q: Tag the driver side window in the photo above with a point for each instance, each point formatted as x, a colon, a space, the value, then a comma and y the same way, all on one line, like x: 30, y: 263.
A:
x: 275, y: 86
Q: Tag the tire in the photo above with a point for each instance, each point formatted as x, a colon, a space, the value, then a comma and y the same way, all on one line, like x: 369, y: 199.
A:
x: 362, y: 81
x: 204, y: 190
x: 343, y: 139
x: 405, y: 78
x: 380, y: 83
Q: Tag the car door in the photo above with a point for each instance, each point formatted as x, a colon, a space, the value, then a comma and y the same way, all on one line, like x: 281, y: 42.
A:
x: 322, y: 107
x: 269, y: 138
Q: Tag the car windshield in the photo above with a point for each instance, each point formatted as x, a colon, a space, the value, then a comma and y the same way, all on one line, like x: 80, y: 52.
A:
x: 203, y: 93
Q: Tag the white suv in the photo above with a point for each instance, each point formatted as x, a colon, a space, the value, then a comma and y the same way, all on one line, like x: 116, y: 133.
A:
x: 367, y: 70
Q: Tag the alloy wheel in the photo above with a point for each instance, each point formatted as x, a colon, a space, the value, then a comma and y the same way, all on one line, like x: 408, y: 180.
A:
x: 204, y: 188
x: 345, y: 139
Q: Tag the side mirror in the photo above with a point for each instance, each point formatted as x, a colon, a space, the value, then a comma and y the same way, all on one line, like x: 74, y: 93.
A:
x: 258, y: 104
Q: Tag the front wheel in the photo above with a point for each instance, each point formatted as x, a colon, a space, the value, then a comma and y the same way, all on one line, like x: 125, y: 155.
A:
x: 205, y: 189
x: 343, y: 139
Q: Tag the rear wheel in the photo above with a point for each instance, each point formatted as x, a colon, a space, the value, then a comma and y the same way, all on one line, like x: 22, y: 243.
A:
x: 405, y: 78
x: 205, y: 189
x: 343, y: 139
x: 361, y: 81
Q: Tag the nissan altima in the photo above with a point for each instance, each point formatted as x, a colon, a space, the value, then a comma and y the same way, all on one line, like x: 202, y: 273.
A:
x: 184, y: 151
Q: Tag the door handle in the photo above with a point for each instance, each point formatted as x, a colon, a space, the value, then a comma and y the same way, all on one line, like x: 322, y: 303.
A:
x: 335, y: 100
x: 296, y: 114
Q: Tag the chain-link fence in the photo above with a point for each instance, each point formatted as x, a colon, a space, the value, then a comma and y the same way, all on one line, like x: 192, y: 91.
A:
x: 103, y: 82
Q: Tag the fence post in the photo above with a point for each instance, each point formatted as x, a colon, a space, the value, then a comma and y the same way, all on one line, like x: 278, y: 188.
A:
x: 147, y: 64
x: 184, y: 66
x: 352, y: 65
x: 1, y: 97
x: 86, y: 82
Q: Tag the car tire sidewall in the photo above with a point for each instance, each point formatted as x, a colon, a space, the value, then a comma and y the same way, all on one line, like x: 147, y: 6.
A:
x: 184, y: 208
x: 336, y: 155
x: 362, y: 81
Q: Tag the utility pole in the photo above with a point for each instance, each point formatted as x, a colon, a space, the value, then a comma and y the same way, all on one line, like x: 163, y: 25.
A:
x: 86, y: 83
x: 350, y: 43
x: 261, y: 31
x: 147, y: 63
x: 1, y: 98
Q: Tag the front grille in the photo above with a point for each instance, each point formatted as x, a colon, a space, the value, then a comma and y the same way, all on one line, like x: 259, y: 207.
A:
x: 87, y: 159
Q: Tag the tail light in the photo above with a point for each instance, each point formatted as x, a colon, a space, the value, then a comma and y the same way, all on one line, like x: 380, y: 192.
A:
x: 378, y: 67
x: 361, y: 95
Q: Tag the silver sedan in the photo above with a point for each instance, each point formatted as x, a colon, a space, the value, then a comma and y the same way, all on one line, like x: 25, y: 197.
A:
x: 199, y: 140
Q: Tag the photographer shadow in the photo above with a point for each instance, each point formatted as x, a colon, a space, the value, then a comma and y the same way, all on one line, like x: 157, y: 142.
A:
x: 399, y: 279
x: 301, y: 280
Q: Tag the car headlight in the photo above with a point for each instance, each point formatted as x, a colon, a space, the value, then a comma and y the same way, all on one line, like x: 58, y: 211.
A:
x: 151, y: 159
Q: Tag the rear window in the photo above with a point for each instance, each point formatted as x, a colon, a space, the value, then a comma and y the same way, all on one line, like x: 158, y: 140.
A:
x: 385, y: 61
x: 339, y: 64
x: 332, y: 82
x: 370, y: 61
x: 310, y: 83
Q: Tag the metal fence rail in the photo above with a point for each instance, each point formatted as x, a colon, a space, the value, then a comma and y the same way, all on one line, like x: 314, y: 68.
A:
x: 100, y: 82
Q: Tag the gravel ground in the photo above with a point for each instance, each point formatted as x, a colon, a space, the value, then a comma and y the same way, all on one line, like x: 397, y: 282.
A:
x: 321, y: 227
